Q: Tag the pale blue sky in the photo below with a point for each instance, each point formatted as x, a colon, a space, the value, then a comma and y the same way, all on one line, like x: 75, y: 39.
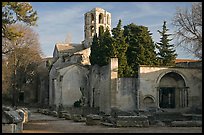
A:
x: 57, y: 19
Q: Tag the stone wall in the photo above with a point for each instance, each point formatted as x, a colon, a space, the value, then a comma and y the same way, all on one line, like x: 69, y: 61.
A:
x: 149, y: 78
x: 71, y: 80
x: 107, y: 91
x: 99, y: 88
x: 127, y: 94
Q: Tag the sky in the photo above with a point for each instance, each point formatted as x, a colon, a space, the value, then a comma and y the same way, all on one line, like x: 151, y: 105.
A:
x: 59, y: 20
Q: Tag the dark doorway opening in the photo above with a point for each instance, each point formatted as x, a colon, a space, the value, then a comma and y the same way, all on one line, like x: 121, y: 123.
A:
x: 21, y: 96
x: 167, y: 97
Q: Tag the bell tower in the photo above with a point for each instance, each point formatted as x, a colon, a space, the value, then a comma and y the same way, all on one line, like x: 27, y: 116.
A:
x: 95, y: 19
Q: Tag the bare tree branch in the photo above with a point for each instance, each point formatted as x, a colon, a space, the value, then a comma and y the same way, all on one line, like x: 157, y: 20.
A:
x: 188, y: 23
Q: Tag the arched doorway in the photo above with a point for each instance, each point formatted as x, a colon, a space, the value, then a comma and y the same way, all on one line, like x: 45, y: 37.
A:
x: 173, y: 92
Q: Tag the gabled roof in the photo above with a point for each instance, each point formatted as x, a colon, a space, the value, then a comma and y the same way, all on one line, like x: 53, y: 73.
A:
x: 68, y: 47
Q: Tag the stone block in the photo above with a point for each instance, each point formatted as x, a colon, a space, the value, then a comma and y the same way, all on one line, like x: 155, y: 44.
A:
x: 22, y: 114
x: 92, y: 119
x: 8, y: 128
x: 28, y: 114
x: 46, y: 111
x: 186, y: 123
x: 54, y: 113
x: 169, y: 116
x: 67, y: 116
x: 78, y: 118
x: 7, y: 108
x: 19, y: 127
x: 132, y: 121
x: 196, y: 117
x: 61, y: 114
x: 11, y: 117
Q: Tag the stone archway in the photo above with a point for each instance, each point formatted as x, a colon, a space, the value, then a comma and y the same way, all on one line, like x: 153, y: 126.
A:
x: 172, y: 91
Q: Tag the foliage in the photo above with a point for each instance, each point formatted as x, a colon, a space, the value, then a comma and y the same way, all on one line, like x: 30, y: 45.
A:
x: 77, y: 103
x: 188, y: 23
x: 20, y: 66
x: 133, y: 46
x: 102, y: 49
x: 166, y: 54
x: 141, y: 50
x: 94, y: 56
x: 120, y: 49
x: 12, y: 13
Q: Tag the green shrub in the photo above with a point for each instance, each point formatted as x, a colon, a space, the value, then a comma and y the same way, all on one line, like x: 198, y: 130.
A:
x: 77, y: 103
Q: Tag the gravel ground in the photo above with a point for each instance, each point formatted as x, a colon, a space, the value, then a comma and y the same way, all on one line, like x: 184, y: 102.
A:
x: 47, y: 124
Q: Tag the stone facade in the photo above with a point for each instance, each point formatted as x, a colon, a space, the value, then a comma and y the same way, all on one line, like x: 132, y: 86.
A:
x: 183, y: 86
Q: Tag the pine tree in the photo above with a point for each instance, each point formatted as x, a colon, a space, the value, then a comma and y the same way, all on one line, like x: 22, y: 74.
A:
x: 166, y: 53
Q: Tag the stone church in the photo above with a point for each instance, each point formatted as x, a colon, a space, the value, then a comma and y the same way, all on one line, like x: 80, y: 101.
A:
x: 72, y: 78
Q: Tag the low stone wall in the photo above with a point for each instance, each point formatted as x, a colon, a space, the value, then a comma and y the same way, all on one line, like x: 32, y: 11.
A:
x: 132, y: 121
x: 186, y: 124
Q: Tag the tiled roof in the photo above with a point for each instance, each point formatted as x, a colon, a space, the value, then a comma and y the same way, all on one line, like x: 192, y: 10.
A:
x: 185, y: 60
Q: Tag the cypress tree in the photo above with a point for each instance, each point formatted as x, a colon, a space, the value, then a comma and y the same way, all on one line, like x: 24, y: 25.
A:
x: 120, y: 47
x: 94, y: 56
x: 102, y: 48
x: 166, y: 54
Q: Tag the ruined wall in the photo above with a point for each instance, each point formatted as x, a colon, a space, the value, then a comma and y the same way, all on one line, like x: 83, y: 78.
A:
x: 127, y: 94
x: 52, y: 78
x: 99, y: 88
x: 149, y: 78
x: 108, y: 91
x: 71, y: 80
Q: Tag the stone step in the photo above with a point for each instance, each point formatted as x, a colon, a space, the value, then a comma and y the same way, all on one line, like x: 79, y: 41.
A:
x: 186, y: 124
x: 108, y: 124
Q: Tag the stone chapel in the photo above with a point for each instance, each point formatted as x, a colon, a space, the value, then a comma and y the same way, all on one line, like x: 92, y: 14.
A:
x: 72, y: 78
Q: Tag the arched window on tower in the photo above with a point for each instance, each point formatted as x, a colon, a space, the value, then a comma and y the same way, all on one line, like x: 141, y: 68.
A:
x: 101, y: 30
x: 92, y: 30
x: 108, y: 21
x: 92, y: 18
x: 100, y: 18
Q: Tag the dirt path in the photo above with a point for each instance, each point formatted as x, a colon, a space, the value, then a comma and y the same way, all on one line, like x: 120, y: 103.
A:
x: 47, y: 124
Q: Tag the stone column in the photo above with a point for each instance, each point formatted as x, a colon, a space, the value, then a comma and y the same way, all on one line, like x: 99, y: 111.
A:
x: 113, y: 84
